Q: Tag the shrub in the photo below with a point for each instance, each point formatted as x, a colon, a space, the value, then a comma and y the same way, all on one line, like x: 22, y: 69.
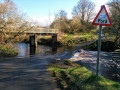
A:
x: 7, y: 52
x: 106, y: 45
x: 70, y: 43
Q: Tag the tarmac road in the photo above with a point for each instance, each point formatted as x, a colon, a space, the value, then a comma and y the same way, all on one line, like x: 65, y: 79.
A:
x: 26, y: 74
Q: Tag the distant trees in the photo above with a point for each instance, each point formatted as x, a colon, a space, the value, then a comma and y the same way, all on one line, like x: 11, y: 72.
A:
x: 61, y: 21
x: 81, y: 21
x: 84, y: 10
x: 74, y: 25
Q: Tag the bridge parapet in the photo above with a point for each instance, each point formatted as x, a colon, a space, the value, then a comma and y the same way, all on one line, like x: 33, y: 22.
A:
x: 43, y: 30
x: 37, y: 31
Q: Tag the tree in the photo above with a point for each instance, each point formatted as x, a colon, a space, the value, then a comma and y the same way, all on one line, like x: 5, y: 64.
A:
x: 75, y: 25
x: 115, y: 19
x: 61, y: 21
x: 11, y: 19
x: 84, y: 10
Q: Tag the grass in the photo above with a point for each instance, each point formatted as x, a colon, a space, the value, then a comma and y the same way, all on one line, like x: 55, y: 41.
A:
x: 79, y: 78
x: 7, y: 51
x: 73, y: 39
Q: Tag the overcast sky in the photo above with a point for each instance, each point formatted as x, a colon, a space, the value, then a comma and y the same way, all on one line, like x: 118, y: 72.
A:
x: 43, y: 11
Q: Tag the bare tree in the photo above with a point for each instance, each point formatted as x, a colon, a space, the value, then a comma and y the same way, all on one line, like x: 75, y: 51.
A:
x: 115, y: 18
x: 60, y: 21
x: 83, y: 10
x: 11, y: 19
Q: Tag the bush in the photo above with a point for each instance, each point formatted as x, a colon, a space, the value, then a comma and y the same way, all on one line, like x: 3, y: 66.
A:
x: 7, y: 52
x: 83, y: 39
x: 106, y: 45
x: 70, y: 43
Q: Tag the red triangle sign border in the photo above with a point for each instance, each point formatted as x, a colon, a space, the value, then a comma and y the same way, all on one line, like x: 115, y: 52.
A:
x: 102, y: 7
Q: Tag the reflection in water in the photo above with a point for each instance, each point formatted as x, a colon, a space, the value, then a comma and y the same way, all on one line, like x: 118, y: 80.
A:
x: 32, y: 50
x: 54, y: 49
x: 22, y: 49
x: 25, y: 50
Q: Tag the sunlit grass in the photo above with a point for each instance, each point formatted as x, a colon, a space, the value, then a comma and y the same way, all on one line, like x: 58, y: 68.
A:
x: 72, y: 39
x: 79, y: 78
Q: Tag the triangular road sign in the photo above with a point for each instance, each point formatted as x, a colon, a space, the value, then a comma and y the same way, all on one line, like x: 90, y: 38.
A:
x: 102, y: 18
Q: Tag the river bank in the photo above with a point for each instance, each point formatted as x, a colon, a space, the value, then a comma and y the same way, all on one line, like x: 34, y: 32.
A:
x: 68, y: 40
x: 7, y: 51
x: 71, y: 76
x: 107, y: 44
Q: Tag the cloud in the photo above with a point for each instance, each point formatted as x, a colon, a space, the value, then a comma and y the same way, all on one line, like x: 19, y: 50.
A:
x: 69, y: 15
x: 43, y: 20
x: 99, y: 3
x: 48, y: 19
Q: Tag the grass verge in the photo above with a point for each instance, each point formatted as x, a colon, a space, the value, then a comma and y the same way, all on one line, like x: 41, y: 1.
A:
x: 71, y: 76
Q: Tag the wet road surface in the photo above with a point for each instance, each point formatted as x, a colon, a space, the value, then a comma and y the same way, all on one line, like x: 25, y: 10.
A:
x: 26, y: 74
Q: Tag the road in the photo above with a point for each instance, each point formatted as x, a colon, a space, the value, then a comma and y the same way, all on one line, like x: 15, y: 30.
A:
x: 26, y: 73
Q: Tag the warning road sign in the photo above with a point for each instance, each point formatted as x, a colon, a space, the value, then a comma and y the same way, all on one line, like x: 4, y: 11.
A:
x: 102, y: 18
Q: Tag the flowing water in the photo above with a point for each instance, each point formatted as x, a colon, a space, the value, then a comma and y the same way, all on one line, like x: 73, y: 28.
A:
x: 109, y: 63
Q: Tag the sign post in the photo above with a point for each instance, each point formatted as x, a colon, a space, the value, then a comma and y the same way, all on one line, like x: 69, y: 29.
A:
x: 99, y: 49
x: 102, y: 19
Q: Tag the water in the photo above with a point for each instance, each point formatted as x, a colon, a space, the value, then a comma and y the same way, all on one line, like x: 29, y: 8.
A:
x: 109, y: 66
x: 24, y: 50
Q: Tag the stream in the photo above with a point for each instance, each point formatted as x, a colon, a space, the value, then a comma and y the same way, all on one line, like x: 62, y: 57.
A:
x: 109, y: 63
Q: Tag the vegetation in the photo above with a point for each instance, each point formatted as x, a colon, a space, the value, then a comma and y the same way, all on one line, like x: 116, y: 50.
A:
x: 84, y: 10
x: 11, y: 19
x: 114, y: 30
x: 73, y: 39
x: 80, y: 22
x: 79, y: 28
x: 108, y: 44
x: 7, y: 51
x: 21, y: 38
x: 70, y: 76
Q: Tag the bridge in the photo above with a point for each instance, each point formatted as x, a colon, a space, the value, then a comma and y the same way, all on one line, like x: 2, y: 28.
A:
x: 35, y: 32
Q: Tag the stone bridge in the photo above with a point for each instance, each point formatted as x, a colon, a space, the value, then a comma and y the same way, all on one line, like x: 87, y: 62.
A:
x: 34, y: 33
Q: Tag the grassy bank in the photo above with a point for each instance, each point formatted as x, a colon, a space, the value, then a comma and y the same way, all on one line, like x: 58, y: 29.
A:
x: 69, y: 40
x: 73, y: 39
x: 74, y: 77
x: 7, y: 51
x: 106, y: 45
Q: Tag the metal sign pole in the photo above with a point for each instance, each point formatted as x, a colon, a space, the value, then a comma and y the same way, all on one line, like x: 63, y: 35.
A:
x: 99, y: 49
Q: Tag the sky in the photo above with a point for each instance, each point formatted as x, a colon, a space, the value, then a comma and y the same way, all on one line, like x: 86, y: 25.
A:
x: 43, y: 11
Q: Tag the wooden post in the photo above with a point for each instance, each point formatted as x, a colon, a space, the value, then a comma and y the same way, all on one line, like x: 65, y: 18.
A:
x: 32, y: 50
